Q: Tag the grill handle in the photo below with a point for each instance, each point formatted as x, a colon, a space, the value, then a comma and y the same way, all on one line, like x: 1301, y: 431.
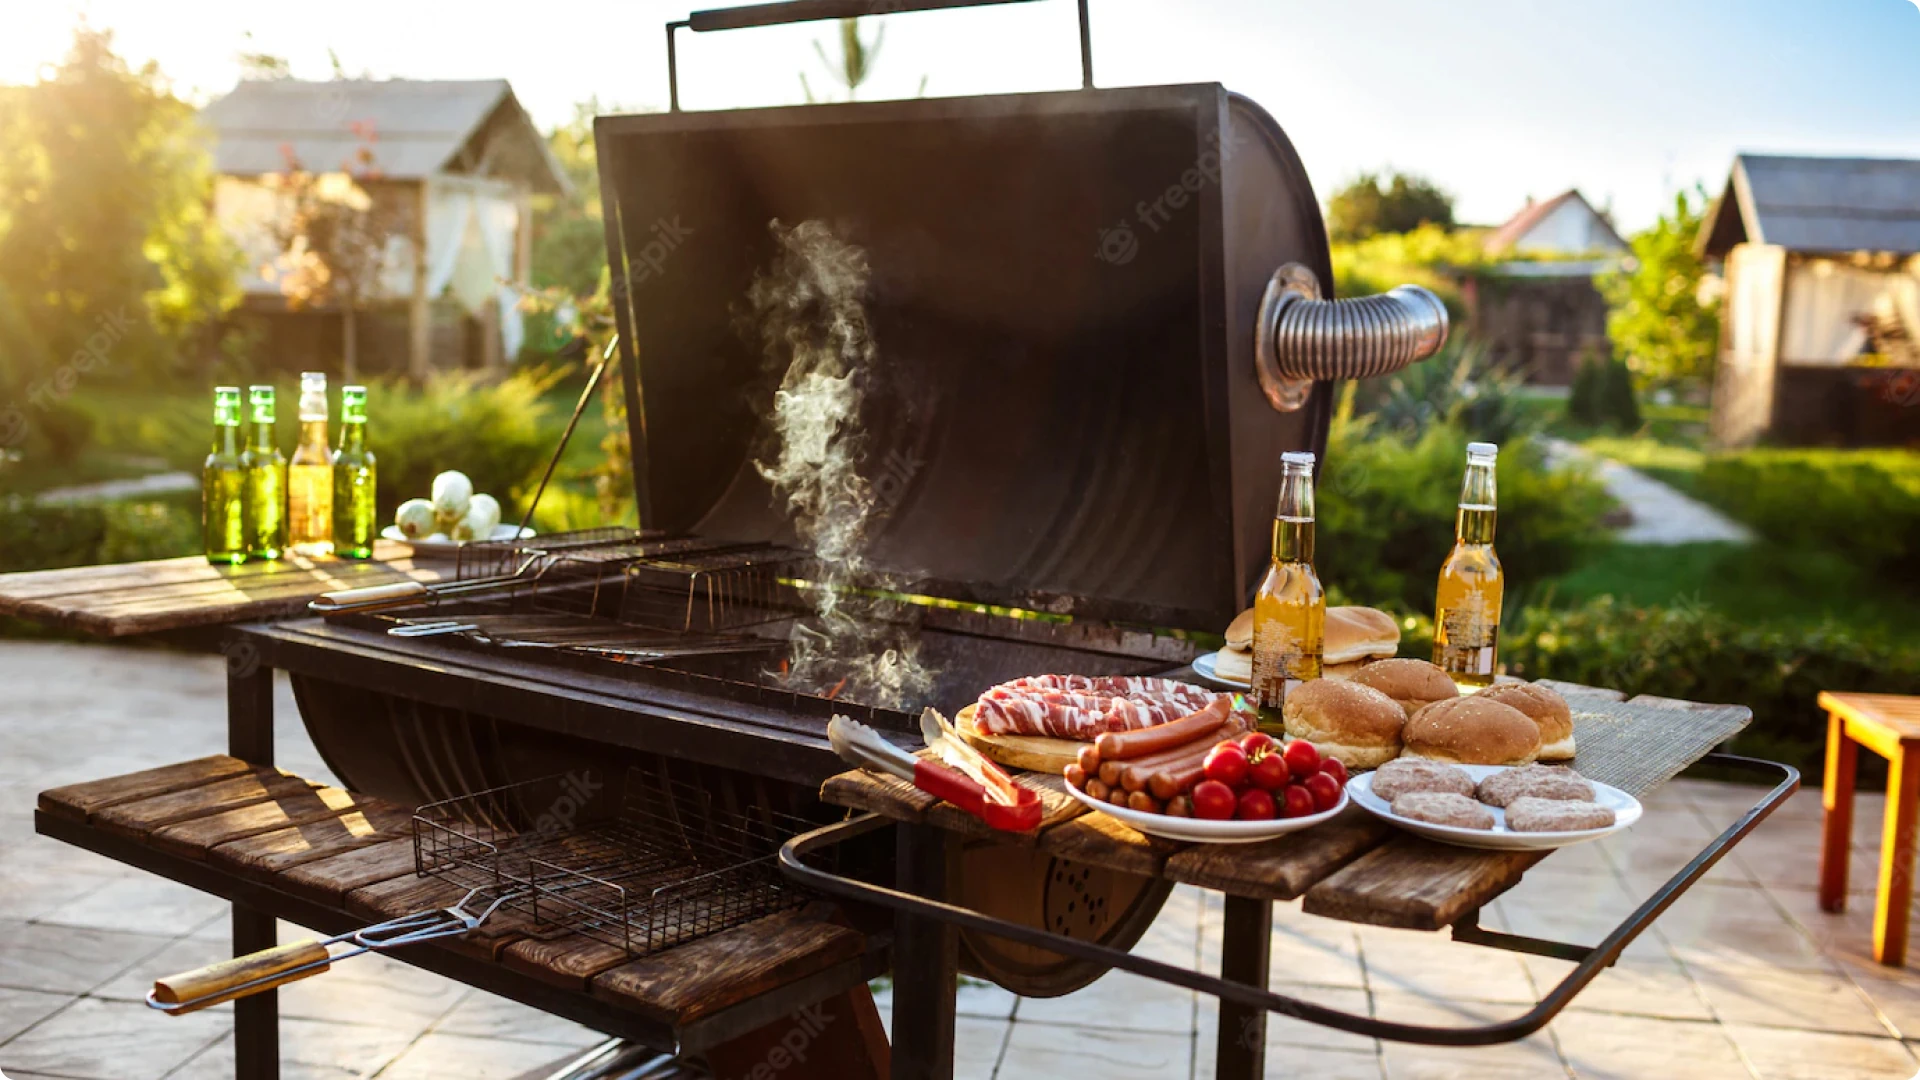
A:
x: 785, y: 12
x: 1301, y: 338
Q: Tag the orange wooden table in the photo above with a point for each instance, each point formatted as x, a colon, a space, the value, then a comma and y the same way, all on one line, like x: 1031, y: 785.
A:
x: 1888, y: 725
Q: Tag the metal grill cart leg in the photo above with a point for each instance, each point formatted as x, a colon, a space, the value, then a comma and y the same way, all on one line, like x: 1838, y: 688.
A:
x: 924, y: 975
x: 926, y: 961
x: 256, y: 1019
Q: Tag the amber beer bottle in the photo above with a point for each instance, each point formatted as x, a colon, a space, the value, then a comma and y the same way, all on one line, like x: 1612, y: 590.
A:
x: 1466, y: 609
x: 310, y: 473
x: 1290, y: 610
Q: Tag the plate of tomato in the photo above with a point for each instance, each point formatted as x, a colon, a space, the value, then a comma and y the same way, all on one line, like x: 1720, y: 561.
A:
x: 1254, y: 788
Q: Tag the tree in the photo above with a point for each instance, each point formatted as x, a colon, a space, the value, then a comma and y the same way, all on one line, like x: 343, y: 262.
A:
x: 333, y: 234
x: 104, y: 189
x: 569, y: 235
x: 1657, y: 319
x: 1401, y: 203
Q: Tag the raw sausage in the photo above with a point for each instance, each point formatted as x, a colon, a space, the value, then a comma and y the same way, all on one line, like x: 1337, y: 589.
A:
x: 1126, y: 745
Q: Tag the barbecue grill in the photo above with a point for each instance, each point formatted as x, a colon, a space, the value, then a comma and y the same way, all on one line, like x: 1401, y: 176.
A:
x: 1086, y: 325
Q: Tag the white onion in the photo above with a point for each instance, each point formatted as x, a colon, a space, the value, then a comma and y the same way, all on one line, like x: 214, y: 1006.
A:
x: 483, y: 512
x: 452, y: 491
x: 414, y: 518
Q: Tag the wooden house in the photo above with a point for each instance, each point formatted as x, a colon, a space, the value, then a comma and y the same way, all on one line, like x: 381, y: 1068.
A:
x: 1538, y: 312
x: 451, y: 168
x: 1821, y: 258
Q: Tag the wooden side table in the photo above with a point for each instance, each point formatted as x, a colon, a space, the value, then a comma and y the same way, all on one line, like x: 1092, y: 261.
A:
x: 1888, y: 725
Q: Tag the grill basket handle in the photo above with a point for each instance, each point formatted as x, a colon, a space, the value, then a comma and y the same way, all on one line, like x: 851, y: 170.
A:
x: 1301, y: 338
x: 787, y: 12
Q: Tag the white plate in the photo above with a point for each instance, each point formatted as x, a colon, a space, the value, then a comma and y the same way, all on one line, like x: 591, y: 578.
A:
x: 1202, y: 831
x: 1205, y: 667
x: 1626, y: 810
x: 439, y: 545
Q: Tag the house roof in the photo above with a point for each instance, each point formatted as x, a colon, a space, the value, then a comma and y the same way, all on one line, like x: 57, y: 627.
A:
x: 415, y: 129
x: 1519, y: 225
x: 1817, y: 204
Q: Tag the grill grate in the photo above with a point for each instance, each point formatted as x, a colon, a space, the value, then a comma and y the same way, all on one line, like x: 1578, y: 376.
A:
x: 663, y: 867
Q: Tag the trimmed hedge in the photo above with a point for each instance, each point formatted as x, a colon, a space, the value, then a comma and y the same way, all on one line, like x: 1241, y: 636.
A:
x: 1865, y: 503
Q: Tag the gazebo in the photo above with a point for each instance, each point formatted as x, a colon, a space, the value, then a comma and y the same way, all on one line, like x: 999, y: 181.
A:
x: 453, y: 165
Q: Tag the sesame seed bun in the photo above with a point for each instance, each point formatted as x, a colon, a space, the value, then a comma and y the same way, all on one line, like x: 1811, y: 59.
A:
x: 1545, y: 708
x: 1472, y: 731
x: 1355, y: 633
x: 1357, y: 724
x: 1412, y: 684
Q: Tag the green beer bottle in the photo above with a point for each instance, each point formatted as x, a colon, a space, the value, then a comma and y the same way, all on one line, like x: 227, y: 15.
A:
x: 221, y: 483
x: 354, y: 516
x: 264, y: 505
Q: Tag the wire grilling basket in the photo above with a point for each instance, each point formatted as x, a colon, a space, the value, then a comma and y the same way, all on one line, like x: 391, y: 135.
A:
x: 663, y: 866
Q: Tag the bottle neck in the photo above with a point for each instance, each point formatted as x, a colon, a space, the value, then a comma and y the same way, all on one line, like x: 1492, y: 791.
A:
x: 1293, y: 518
x: 1478, y: 502
x: 353, y: 435
x: 313, y: 433
x: 262, y: 438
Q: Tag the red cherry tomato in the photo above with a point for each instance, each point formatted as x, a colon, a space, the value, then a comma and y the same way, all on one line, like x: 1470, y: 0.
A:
x: 1302, y: 758
x: 1325, y: 791
x: 1270, y: 772
x: 1255, y: 805
x: 1227, y: 763
x: 1212, y: 800
x: 1299, y: 802
x: 1254, y: 742
x: 1335, y: 768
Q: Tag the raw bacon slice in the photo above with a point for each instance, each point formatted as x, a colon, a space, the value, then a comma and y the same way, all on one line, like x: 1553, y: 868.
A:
x: 1083, y: 706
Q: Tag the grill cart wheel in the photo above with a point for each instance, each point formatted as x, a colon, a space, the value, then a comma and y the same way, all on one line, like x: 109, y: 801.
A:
x: 1035, y: 889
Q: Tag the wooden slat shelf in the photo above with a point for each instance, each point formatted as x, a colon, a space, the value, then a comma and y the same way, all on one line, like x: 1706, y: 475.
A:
x: 353, y: 855
x: 1354, y: 867
x: 175, y: 594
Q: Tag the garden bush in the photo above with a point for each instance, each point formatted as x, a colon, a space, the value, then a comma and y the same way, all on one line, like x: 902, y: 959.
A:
x: 1861, y: 503
x: 44, y: 537
x: 1602, y: 395
x: 494, y: 432
x: 1387, y: 502
x: 1693, y: 652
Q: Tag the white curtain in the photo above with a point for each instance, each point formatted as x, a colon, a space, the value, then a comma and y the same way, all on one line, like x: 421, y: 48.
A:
x: 1825, y: 299
x: 471, y: 228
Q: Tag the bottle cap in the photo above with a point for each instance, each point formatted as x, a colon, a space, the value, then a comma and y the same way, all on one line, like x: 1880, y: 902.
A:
x: 313, y: 380
x: 1482, y: 449
x: 1296, y: 457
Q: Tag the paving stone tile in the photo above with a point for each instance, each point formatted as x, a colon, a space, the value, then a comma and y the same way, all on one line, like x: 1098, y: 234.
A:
x: 1529, y: 1059
x: 144, y: 904
x: 1895, y: 992
x: 1409, y: 962
x: 1050, y: 1051
x: 1786, y: 1054
x: 373, y: 990
x: 977, y: 1045
x: 437, y: 1056
x: 1304, y: 949
x: 36, y: 956
x: 1604, y: 1047
x: 983, y: 999
x: 1751, y: 994
x: 1656, y: 988
x: 482, y: 1014
x: 1284, y: 1031
x: 1292, y: 1061
x: 113, y: 1040
x: 1731, y: 924
x: 21, y: 1009
x: 1118, y: 1001
x: 183, y: 954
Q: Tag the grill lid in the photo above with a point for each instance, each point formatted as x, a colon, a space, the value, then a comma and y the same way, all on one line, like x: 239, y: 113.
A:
x: 1061, y: 409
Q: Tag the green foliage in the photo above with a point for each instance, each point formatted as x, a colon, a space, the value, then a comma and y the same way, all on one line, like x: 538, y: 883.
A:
x: 43, y: 537
x: 1657, y: 320
x: 104, y: 222
x: 1602, y: 395
x: 1864, y: 504
x: 1372, y: 204
x: 569, y: 236
x: 495, y: 433
x: 1695, y: 653
x: 58, y: 432
x: 1459, y: 387
x: 1386, y: 511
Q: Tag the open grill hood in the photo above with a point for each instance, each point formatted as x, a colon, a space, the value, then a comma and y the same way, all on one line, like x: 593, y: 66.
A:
x: 1064, y: 413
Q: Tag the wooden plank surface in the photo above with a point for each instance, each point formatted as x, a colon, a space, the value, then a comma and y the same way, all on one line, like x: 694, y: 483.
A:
x: 369, y: 822
x: 170, y: 594
x: 77, y: 802
x: 329, y: 880
x: 141, y: 817
x: 704, y: 976
x: 197, y: 837
x: 1417, y: 884
x: 1284, y: 867
x: 569, y: 961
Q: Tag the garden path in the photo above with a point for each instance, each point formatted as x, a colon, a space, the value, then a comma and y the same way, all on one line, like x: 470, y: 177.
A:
x: 1661, y: 514
x: 160, y: 483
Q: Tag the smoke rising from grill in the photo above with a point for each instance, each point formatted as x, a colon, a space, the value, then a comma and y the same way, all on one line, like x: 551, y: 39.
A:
x: 813, y: 323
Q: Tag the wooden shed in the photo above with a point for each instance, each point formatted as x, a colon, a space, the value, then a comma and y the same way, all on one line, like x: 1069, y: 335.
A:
x: 1821, y: 258
x: 453, y: 167
x: 1538, y: 313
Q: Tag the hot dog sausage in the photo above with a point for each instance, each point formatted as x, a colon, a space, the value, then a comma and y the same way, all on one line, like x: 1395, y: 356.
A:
x: 1126, y: 745
x: 1110, y: 773
x: 1143, y: 802
x: 1089, y: 759
x: 1134, y: 774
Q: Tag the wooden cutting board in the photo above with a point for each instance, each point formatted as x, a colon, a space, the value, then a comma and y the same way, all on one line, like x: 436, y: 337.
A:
x: 1040, y: 753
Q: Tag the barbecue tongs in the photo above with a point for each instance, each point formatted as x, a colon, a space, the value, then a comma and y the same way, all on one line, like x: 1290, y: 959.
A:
x: 999, y: 802
x: 241, y: 976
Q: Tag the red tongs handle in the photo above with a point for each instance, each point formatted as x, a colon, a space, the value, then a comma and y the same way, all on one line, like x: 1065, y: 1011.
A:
x: 938, y: 779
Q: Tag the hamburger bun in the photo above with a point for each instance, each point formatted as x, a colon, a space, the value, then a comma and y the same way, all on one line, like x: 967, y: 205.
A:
x: 1240, y: 632
x: 1357, y: 724
x: 1356, y: 633
x: 1234, y: 664
x: 1472, y: 731
x: 1412, y: 684
x: 1545, y: 708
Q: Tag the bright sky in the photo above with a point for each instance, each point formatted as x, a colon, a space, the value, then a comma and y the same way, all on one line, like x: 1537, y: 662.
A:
x: 1497, y: 100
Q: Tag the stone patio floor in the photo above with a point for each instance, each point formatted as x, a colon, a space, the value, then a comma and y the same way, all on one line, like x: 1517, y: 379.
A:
x: 1745, y: 977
